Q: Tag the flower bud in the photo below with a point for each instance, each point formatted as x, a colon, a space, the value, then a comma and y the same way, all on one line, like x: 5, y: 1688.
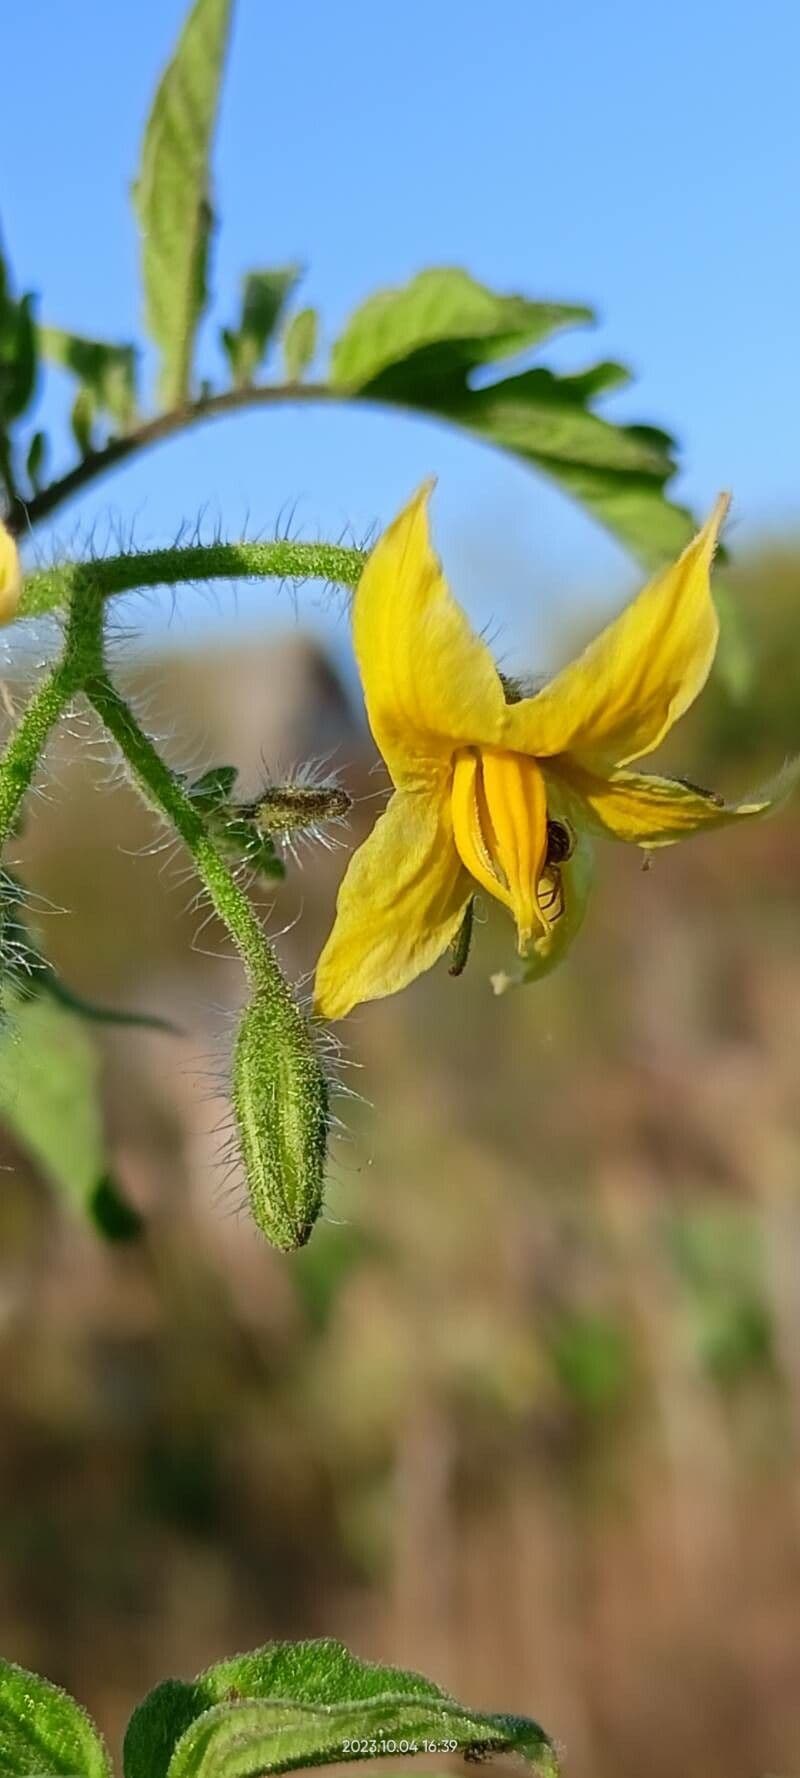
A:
x: 298, y: 807
x: 281, y: 1100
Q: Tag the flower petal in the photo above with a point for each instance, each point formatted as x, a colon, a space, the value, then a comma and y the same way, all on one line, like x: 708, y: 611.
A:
x: 400, y: 904
x: 651, y: 811
x: 429, y: 682
x: 499, y: 805
x: 10, y: 576
x: 621, y: 696
x: 551, y: 946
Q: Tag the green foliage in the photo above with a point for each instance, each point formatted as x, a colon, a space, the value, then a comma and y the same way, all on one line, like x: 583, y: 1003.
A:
x: 18, y: 367
x: 719, y: 1262
x: 18, y: 356
x: 106, y: 373
x: 82, y: 421
x: 300, y: 1704
x: 50, y: 1100
x: 35, y: 460
x: 43, y: 1732
x: 265, y: 295
x: 593, y: 1360
x: 173, y: 192
x: 237, y: 835
x: 444, y: 346
x: 300, y: 343
x: 420, y: 346
x: 438, y: 327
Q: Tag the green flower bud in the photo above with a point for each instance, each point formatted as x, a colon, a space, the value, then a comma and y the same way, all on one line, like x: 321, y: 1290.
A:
x: 280, y: 1097
x: 293, y: 808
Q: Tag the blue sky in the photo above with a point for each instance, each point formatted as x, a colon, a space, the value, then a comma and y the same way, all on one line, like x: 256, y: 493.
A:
x: 645, y: 159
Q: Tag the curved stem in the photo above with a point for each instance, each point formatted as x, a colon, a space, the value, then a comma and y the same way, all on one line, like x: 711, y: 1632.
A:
x: 26, y: 744
x: 164, y: 793
x: 24, y: 748
x: 197, y: 562
x: 23, y: 514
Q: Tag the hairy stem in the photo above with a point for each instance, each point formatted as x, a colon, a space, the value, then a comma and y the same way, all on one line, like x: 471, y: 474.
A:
x: 23, y: 514
x: 82, y: 655
x: 163, y: 792
x: 108, y: 576
x: 25, y: 746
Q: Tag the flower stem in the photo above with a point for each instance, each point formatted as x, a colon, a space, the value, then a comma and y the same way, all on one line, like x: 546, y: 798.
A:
x: 108, y: 576
x: 164, y: 793
x: 24, y: 514
x: 82, y: 654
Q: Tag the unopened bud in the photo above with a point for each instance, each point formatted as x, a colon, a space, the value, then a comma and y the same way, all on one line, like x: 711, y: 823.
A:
x: 293, y: 808
x: 281, y: 1100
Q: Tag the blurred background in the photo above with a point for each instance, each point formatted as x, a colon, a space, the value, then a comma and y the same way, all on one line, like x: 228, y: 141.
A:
x: 526, y: 1413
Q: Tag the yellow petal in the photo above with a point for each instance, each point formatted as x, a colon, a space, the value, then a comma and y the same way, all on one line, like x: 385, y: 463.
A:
x: 621, y: 696
x: 400, y: 905
x: 429, y: 682
x: 10, y: 576
x: 651, y: 811
x: 500, y: 826
x: 550, y: 947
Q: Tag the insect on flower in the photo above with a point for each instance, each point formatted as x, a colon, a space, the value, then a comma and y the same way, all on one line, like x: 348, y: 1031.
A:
x: 501, y: 791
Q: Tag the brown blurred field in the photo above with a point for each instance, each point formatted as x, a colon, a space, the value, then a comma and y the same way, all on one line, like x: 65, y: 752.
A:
x: 526, y: 1413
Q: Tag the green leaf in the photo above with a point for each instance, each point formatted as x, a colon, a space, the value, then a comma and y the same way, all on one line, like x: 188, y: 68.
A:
x: 440, y: 325
x: 43, y: 1732
x: 300, y: 343
x: 35, y: 460
x: 50, y: 1100
x: 106, y: 372
x: 172, y: 194
x: 28, y: 972
x: 214, y: 788
x: 297, y: 1704
x: 82, y: 421
x: 264, y: 298
x: 18, y: 356
x: 420, y: 348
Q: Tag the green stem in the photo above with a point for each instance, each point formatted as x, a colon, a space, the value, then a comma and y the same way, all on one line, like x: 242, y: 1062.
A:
x: 162, y: 790
x: 82, y: 654
x: 26, y: 745
x: 199, y: 562
x: 23, y: 514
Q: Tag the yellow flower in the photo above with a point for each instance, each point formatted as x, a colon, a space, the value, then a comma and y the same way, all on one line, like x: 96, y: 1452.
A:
x: 10, y: 576
x: 502, y: 795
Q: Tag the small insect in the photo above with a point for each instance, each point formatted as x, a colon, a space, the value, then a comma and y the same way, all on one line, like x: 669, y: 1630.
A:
x: 460, y: 946
x: 560, y: 843
x: 712, y: 796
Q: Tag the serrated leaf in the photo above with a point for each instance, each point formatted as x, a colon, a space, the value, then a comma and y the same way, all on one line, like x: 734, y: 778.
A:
x: 43, y: 1732
x: 172, y: 194
x: 264, y: 298
x: 107, y: 372
x: 50, y: 1100
x: 425, y: 347
x: 297, y: 1704
x: 300, y: 343
x: 437, y: 327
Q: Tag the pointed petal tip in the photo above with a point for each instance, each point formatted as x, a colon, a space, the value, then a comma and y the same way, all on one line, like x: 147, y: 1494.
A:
x: 716, y: 519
